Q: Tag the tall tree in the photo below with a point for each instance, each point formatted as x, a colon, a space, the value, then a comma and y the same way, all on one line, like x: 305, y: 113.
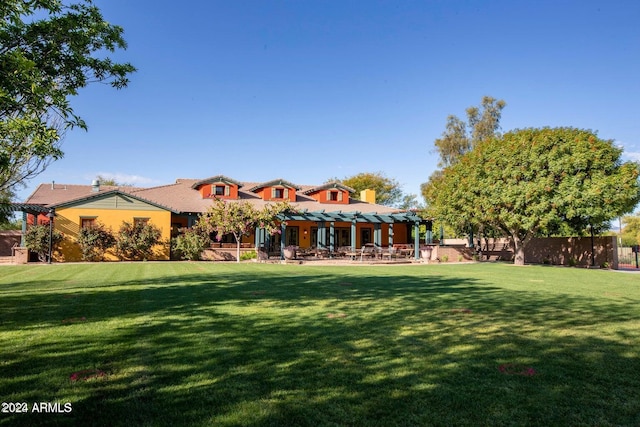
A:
x: 240, y: 219
x: 388, y: 190
x: 6, y: 214
x: 48, y: 51
x: 531, y: 180
x: 460, y: 137
x: 630, y: 233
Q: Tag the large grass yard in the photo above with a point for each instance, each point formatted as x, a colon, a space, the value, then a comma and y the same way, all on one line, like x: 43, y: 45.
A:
x: 260, y: 345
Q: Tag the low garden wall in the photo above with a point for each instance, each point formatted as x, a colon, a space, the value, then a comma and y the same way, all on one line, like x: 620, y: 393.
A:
x: 571, y: 251
x: 9, y: 239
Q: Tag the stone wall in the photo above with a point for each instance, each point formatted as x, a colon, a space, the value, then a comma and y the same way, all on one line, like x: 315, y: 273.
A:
x: 8, y: 239
x: 572, y: 251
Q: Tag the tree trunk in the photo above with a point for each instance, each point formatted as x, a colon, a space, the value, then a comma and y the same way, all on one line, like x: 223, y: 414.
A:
x: 237, y: 247
x: 519, y: 245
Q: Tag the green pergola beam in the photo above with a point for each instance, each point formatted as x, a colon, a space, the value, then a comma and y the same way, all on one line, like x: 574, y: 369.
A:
x: 373, y: 218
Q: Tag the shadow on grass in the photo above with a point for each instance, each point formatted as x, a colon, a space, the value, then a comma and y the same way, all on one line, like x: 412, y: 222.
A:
x: 321, y: 349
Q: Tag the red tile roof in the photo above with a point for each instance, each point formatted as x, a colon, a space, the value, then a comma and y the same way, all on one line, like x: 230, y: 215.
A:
x: 182, y: 197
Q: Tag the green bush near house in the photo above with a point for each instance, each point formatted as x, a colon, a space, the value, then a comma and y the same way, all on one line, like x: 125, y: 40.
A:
x: 245, y: 256
x: 95, y: 241
x: 135, y: 241
x: 196, y: 344
x: 37, y: 240
x: 190, y: 245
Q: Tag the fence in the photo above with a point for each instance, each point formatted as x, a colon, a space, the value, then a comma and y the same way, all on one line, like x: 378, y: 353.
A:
x: 573, y: 251
x: 627, y: 258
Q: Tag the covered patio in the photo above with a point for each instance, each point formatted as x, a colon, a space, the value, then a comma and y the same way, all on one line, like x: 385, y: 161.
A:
x: 328, y: 245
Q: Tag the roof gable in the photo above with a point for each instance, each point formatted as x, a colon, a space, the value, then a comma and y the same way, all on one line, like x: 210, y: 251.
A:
x: 276, y: 182
x: 216, y: 179
x: 328, y: 186
x: 114, y: 199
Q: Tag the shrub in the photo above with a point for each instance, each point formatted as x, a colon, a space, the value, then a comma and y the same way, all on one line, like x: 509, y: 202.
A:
x: 94, y: 242
x: 37, y: 240
x: 248, y: 255
x: 136, y: 241
x: 190, y: 245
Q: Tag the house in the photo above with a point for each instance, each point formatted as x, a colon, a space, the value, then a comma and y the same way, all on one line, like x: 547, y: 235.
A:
x: 327, y: 216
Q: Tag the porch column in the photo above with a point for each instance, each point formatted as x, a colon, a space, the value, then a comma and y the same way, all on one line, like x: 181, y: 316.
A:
x: 391, y: 235
x: 353, y: 235
x: 283, y: 231
x: 416, y: 240
x: 322, y: 241
x: 377, y: 234
x: 267, y: 240
x: 332, y: 237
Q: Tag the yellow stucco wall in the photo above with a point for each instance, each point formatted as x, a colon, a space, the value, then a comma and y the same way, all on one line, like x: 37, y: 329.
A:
x: 68, y: 222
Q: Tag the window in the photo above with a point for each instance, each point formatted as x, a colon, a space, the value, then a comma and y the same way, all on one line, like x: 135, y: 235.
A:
x: 278, y: 193
x: 334, y: 196
x: 221, y: 190
x: 88, y: 222
x: 365, y: 236
x: 141, y: 221
x: 291, y: 236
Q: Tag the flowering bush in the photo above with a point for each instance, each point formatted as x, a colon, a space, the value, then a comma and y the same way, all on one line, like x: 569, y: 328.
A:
x: 190, y: 245
x: 136, y: 241
x: 240, y: 218
x: 37, y: 240
x: 94, y: 242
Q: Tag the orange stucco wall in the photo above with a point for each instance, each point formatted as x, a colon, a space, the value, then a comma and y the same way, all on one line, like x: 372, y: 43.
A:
x: 265, y: 193
x: 323, y: 196
x: 68, y: 220
x: 207, y: 191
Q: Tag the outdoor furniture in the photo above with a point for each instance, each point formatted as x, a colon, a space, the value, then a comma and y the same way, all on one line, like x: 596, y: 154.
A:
x: 351, y: 253
x: 322, y: 253
x: 391, y: 252
x: 368, y: 250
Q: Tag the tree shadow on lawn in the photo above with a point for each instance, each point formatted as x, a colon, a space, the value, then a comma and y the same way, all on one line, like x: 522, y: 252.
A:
x: 409, y: 350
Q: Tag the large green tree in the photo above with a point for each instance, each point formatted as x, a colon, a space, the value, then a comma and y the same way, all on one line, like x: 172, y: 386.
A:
x: 630, y: 232
x: 534, y: 181
x: 48, y: 51
x: 388, y: 190
x: 460, y: 137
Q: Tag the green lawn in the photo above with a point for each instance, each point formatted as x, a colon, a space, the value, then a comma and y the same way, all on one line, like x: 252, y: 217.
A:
x: 256, y: 345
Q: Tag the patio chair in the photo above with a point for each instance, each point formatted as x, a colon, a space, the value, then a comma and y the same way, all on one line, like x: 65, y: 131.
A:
x: 391, y: 252
x: 369, y: 250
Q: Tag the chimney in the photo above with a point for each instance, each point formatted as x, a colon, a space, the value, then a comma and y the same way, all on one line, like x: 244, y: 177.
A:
x: 368, y: 196
x: 95, y: 186
x: 53, y: 185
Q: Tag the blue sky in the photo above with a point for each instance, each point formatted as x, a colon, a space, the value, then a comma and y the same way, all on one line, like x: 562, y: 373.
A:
x: 309, y: 90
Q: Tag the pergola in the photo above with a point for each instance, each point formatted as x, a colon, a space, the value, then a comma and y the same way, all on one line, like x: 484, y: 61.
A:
x: 25, y: 208
x: 323, y: 218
